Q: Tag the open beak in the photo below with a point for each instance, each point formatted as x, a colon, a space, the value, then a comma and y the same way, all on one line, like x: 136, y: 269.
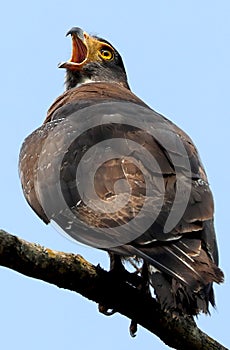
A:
x: 79, y: 50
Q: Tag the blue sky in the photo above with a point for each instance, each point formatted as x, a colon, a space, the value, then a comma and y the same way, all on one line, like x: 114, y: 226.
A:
x: 177, y: 57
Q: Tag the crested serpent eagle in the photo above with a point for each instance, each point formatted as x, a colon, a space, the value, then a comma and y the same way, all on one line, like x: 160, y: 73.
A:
x: 153, y: 174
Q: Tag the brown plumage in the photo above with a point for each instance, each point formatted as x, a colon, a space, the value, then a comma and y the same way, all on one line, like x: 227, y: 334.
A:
x: 182, y: 263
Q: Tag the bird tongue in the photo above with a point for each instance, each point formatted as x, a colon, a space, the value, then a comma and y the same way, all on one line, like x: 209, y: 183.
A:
x: 79, y: 50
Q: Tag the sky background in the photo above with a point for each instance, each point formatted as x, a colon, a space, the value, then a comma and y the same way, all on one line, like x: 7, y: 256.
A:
x: 177, y: 56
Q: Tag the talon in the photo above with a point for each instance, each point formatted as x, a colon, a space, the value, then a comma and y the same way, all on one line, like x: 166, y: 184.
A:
x: 133, y: 328
x: 106, y: 311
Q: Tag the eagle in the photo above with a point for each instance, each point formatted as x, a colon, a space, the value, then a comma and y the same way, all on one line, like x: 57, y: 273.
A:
x: 116, y: 175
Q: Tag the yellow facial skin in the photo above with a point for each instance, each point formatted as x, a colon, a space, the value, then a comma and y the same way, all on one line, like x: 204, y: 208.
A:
x: 88, y: 50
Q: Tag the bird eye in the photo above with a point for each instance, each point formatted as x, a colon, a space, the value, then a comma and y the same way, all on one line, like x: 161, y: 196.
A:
x: 106, y: 54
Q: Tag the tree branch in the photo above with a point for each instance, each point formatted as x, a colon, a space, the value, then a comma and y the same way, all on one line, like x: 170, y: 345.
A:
x: 73, y: 272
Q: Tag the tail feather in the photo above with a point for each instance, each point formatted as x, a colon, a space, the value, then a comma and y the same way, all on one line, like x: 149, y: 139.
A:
x: 181, y: 274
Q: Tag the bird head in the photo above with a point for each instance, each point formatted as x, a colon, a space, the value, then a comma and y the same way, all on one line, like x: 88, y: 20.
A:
x: 92, y: 60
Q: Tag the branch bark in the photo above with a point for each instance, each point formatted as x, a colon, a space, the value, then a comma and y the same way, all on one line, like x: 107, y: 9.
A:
x: 73, y: 272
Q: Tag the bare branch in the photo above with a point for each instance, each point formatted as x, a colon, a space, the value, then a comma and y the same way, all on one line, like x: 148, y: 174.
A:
x: 73, y: 272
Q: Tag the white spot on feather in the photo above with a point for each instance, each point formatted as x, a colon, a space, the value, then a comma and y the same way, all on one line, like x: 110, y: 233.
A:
x: 153, y: 269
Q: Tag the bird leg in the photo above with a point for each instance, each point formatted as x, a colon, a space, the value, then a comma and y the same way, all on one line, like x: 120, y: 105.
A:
x: 139, y: 279
x: 118, y: 272
x: 144, y: 288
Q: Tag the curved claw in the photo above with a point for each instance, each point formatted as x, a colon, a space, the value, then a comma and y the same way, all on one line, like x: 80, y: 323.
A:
x: 106, y: 311
x: 133, y: 328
